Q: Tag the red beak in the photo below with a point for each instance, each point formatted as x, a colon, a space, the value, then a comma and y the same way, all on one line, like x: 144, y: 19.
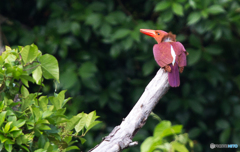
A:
x: 148, y: 32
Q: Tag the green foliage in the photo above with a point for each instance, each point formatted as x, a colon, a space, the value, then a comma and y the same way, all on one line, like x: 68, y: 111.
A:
x: 30, y: 121
x: 121, y: 64
x: 167, y: 138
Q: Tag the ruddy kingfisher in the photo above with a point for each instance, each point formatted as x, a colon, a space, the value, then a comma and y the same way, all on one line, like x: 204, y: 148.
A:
x: 169, y: 54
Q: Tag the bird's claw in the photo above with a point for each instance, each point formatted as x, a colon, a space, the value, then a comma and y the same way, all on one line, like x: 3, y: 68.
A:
x: 181, y: 69
x: 167, y: 68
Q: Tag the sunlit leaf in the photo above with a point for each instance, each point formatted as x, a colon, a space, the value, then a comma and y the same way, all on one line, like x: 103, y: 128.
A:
x: 179, y: 147
x: 50, y: 69
x: 177, y: 9
x: 29, y: 53
x: 2, y: 117
x: 37, y: 75
x: 215, y: 9
x: 162, y: 5
x: 24, y: 91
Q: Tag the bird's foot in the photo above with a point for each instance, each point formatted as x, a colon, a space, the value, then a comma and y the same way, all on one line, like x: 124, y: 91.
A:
x: 167, y: 68
x: 181, y: 69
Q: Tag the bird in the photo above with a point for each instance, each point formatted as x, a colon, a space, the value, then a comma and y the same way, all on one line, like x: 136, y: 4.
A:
x: 169, y: 54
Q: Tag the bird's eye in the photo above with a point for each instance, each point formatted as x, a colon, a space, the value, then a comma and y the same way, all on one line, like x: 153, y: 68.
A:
x: 158, y: 33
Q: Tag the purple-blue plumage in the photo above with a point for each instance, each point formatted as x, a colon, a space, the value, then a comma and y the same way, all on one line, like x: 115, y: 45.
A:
x: 173, y: 76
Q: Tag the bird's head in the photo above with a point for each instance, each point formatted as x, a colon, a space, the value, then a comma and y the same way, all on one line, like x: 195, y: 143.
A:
x: 159, y: 35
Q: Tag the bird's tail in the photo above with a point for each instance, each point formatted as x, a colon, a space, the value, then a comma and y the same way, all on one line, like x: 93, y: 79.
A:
x: 173, y: 76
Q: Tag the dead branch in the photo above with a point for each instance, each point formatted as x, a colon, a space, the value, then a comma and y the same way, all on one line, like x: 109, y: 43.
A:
x: 121, y: 136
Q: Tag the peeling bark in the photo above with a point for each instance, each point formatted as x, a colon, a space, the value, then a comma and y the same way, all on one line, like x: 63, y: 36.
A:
x: 121, y: 136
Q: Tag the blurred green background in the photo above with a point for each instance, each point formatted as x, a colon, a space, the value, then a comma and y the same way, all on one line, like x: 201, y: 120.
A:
x: 105, y: 62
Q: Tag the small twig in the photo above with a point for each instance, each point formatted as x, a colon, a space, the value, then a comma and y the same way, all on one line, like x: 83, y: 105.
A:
x: 126, y: 11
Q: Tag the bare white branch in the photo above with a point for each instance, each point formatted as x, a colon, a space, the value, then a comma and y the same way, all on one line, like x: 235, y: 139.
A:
x: 121, y: 136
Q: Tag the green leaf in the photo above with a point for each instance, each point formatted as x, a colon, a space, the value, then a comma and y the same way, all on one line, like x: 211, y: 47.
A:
x: 166, y: 17
x: 57, y: 103
x: 69, y: 79
x: 27, y: 78
x: 7, y: 127
x: 222, y: 124
x: 215, y: 9
x: 148, y: 67
x: 94, y: 20
x: 106, y: 30
x: 43, y: 102
x: 90, y: 118
x: 224, y: 136
x: 61, y: 97
x: 80, y: 125
x: 1, y: 146
x: 194, y: 56
x: 87, y: 70
x: 73, y: 121
x: 43, y: 127
x: 29, y: 53
x: 186, y: 89
x: 115, y: 17
x: 24, y: 91
x: 8, y: 147
x: 19, y: 123
x: 28, y: 101
x: 172, y: 131
x: 63, y: 27
x: 71, y: 148
x: 196, y: 106
x: 2, y: 117
x: 177, y: 9
x: 155, y: 116
x: 121, y: 33
x: 16, y: 134
x: 194, y: 133
x: 194, y: 40
x: 162, y: 5
x: 24, y: 147
x: 37, y: 75
x: 50, y: 69
x: 75, y: 28
x: 82, y: 140
x: 115, y: 50
x: 92, y: 125
x: 66, y: 100
x: 47, y: 114
x: 147, y: 144
x: 3, y: 139
x: 103, y: 99
x: 36, y: 112
x: 193, y: 18
x: 214, y: 50
x: 97, y: 6
x: 14, y: 128
x: 159, y: 129
x: 179, y: 147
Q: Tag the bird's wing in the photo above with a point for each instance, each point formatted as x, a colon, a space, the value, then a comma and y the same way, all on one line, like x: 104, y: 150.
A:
x: 181, y: 53
x: 162, y: 53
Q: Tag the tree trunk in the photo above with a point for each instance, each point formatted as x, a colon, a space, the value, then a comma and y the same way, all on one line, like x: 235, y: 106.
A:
x: 121, y: 136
